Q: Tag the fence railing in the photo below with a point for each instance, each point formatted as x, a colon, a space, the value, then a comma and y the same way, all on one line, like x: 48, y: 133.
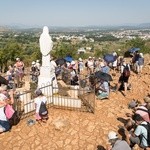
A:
x: 70, y: 98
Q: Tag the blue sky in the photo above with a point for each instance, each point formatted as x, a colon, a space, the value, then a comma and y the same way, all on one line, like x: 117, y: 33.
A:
x: 74, y: 12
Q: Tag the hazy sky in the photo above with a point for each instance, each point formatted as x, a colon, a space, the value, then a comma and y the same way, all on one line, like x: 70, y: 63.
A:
x: 74, y: 12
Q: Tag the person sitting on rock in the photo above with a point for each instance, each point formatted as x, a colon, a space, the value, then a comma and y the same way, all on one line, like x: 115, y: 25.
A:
x: 102, y: 89
x: 139, y: 136
x: 116, y: 143
x: 142, y: 110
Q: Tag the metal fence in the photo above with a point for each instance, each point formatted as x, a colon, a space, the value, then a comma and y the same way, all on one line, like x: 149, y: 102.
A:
x: 69, y: 98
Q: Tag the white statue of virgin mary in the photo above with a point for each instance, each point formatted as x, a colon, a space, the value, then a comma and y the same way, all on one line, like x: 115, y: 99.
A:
x: 46, y: 45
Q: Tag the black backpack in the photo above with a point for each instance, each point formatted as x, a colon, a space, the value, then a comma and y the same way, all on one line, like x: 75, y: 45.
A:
x: 147, y: 126
x: 43, y: 109
x: 86, y: 64
x: 126, y: 71
x: 15, y: 119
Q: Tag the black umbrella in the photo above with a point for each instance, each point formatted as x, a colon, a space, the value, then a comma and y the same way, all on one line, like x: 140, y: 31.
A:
x: 103, y: 76
x: 3, y: 81
x: 60, y: 61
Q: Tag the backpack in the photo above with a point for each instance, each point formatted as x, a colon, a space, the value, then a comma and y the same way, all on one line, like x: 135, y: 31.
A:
x: 86, y: 64
x: 147, y: 126
x: 33, y: 68
x: 75, y: 78
x: 43, y: 109
x: 12, y: 116
x: 126, y: 71
x: 15, y: 119
x: 9, y: 111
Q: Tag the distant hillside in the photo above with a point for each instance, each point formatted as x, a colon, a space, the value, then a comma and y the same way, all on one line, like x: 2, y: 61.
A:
x: 78, y: 28
x: 2, y: 28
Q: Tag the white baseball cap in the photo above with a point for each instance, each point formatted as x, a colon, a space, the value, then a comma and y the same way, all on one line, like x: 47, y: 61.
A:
x: 112, y: 135
x: 33, y: 62
x: 17, y: 59
x: 73, y: 63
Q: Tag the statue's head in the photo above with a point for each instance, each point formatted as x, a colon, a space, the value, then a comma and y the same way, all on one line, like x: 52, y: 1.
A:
x: 45, y: 30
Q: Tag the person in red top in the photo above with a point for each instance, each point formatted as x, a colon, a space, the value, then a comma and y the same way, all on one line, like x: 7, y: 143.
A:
x: 20, y: 68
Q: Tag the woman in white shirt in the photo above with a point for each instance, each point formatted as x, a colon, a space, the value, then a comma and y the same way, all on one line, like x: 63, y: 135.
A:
x: 38, y: 100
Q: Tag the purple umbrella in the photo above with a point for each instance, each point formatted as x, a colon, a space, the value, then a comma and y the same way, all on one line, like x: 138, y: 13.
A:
x: 109, y: 58
x: 134, y: 49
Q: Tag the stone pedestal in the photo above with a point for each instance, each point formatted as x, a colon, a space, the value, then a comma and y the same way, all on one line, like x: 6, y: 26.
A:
x: 47, y: 78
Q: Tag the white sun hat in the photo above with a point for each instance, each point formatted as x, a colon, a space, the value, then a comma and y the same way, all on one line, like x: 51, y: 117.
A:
x: 141, y: 54
x: 73, y: 63
x: 112, y: 135
x: 33, y: 62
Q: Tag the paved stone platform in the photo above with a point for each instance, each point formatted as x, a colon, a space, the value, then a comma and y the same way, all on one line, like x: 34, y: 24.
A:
x: 67, y: 130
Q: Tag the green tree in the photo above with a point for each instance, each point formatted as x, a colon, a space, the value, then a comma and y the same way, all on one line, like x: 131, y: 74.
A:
x: 63, y: 49
x: 140, y: 43
x: 10, y: 52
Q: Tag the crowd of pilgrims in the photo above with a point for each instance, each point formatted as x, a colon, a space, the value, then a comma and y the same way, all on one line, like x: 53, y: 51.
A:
x: 75, y: 69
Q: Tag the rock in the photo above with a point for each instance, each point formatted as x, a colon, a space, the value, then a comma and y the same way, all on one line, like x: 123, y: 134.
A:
x: 60, y: 123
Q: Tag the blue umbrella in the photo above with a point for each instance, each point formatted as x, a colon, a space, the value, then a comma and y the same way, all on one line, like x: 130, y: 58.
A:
x: 109, y: 58
x: 134, y: 49
x: 68, y: 58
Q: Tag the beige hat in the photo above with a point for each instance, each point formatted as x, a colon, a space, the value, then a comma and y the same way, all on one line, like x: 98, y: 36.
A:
x: 80, y: 59
x: 112, y: 135
x: 147, y: 99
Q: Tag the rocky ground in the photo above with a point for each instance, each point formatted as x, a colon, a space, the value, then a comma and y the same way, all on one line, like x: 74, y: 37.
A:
x: 73, y: 130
